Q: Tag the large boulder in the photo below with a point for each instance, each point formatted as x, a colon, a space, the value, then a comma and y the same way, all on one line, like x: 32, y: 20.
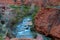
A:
x: 47, y: 22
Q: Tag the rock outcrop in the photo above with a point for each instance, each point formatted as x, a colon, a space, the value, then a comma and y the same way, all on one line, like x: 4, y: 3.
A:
x: 47, y: 21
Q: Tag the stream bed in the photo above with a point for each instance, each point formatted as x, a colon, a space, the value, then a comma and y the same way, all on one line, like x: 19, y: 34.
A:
x: 23, y: 28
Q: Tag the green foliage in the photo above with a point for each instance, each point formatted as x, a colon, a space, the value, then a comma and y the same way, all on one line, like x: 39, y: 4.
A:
x: 34, y: 13
x: 20, y: 11
x: 1, y: 37
x: 14, y: 6
x: 26, y: 9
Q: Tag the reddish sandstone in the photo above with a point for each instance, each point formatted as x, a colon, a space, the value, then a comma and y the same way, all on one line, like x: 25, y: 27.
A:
x: 55, y: 31
x: 47, y: 21
x: 55, y: 2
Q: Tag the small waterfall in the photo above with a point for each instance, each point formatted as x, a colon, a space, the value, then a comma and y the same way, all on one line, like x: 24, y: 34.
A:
x: 23, y: 28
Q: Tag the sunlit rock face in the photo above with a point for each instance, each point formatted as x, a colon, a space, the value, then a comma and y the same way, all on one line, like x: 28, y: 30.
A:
x: 23, y: 28
x: 47, y: 22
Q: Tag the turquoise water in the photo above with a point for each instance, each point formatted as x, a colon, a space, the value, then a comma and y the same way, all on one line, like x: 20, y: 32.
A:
x: 23, y: 29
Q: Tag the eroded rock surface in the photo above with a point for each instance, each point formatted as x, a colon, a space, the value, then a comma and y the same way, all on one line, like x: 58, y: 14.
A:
x: 47, y: 21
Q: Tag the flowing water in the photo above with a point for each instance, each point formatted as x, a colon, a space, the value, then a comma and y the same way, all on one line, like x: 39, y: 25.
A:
x: 23, y: 28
